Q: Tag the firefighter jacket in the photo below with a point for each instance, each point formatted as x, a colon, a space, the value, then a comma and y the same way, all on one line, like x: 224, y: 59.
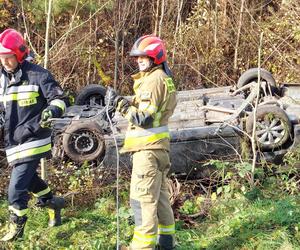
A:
x: 152, y: 105
x: 23, y: 96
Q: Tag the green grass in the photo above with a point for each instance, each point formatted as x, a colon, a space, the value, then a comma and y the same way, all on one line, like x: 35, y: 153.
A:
x: 237, y: 223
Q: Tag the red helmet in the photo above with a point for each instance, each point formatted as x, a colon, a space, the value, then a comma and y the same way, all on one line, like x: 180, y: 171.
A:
x: 12, y: 42
x: 151, y: 46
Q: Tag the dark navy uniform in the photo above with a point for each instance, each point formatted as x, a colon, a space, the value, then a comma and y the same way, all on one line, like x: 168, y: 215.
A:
x: 24, y: 94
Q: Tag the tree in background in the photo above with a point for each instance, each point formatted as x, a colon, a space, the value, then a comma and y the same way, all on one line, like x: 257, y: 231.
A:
x: 210, y: 42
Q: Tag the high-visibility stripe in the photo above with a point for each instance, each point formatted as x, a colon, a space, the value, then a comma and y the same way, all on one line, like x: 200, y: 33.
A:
x: 59, y: 103
x: 163, y: 229
x: 146, y: 132
x: 28, y: 149
x: 43, y: 192
x: 156, y: 122
x: 28, y: 145
x: 136, y: 141
x: 18, y: 96
x: 18, y: 212
x: 145, y: 239
x: 147, y: 106
x: 29, y: 152
x: 51, y: 213
x: 22, y: 89
x: 143, y: 136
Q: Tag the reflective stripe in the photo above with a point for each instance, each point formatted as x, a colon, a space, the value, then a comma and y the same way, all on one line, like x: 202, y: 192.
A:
x: 59, y: 103
x: 51, y: 213
x: 143, y: 105
x: 146, y: 239
x: 157, y: 118
x: 146, y: 106
x: 22, y: 89
x: 152, y: 109
x: 135, y: 141
x: 43, y: 192
x: 29, y: 152
x: 162, y: 229
x: 15, y: 93
x: 28, y: 145
x: 147, y: 132
x: 17, y: 211
x: 28, y: 149
x: 18, y: 96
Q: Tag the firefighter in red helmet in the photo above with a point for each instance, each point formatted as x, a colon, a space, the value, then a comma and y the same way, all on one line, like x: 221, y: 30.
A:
x: 148, y: 139
x: 28, y: 95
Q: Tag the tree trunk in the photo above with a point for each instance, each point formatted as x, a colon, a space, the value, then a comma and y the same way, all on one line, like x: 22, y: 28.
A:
x: 161, y: 17
x: 47, y: 34
x: 235, y: 66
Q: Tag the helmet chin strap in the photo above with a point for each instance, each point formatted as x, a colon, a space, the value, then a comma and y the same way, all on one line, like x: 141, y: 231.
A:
x: 167, y: 69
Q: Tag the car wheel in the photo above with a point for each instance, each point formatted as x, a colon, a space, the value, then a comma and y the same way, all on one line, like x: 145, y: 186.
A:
x: 92, y: 94
x: 273, y: 127
x: 251, y: 75
x: 83, y: 141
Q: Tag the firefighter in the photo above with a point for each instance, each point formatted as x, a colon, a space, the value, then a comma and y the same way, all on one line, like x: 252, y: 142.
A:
x: 29, y: 96
x: 148, y: 139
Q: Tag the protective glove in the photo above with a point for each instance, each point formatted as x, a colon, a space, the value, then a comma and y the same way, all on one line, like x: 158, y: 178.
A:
x: 119, y: 103
x: 45, y: 117
x: 111, y: 98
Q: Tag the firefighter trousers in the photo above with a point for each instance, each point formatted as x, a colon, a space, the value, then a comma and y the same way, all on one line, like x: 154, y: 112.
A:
x: 24, y: 179
x: 150, y: 200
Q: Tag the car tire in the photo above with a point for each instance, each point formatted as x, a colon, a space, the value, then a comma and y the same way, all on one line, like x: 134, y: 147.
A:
x: 252, y: 75
x: 273, y: 127
x: 92, y: 94
x: 83, y: 141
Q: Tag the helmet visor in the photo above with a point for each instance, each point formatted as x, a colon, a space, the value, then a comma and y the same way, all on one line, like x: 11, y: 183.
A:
x: 5, y: 51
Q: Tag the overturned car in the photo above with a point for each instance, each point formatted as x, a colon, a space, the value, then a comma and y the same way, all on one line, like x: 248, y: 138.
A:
x: 207, y: 124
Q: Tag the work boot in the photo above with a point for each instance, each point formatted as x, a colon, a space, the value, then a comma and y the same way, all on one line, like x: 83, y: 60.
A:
x: 55, y: 205
x: 15, y: 228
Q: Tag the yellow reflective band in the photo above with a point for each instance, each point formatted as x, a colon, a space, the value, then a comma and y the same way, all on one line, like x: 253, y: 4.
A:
x: 27, y: 102
x: 135, y: 141
x: 147, y: 239
x: 162, y: 229
x: 51, y: 213
x: 41, y: 193
x: 28, y: 145
x: 147, y: 106
x: 156, y: 122
x: 151, y: 109
x: 29, y: 152
x: 17, y: 211
x: 59, y: 103
x: 18, y: 96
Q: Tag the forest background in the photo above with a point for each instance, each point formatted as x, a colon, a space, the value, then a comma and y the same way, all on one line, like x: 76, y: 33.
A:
x: 210, y: 43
